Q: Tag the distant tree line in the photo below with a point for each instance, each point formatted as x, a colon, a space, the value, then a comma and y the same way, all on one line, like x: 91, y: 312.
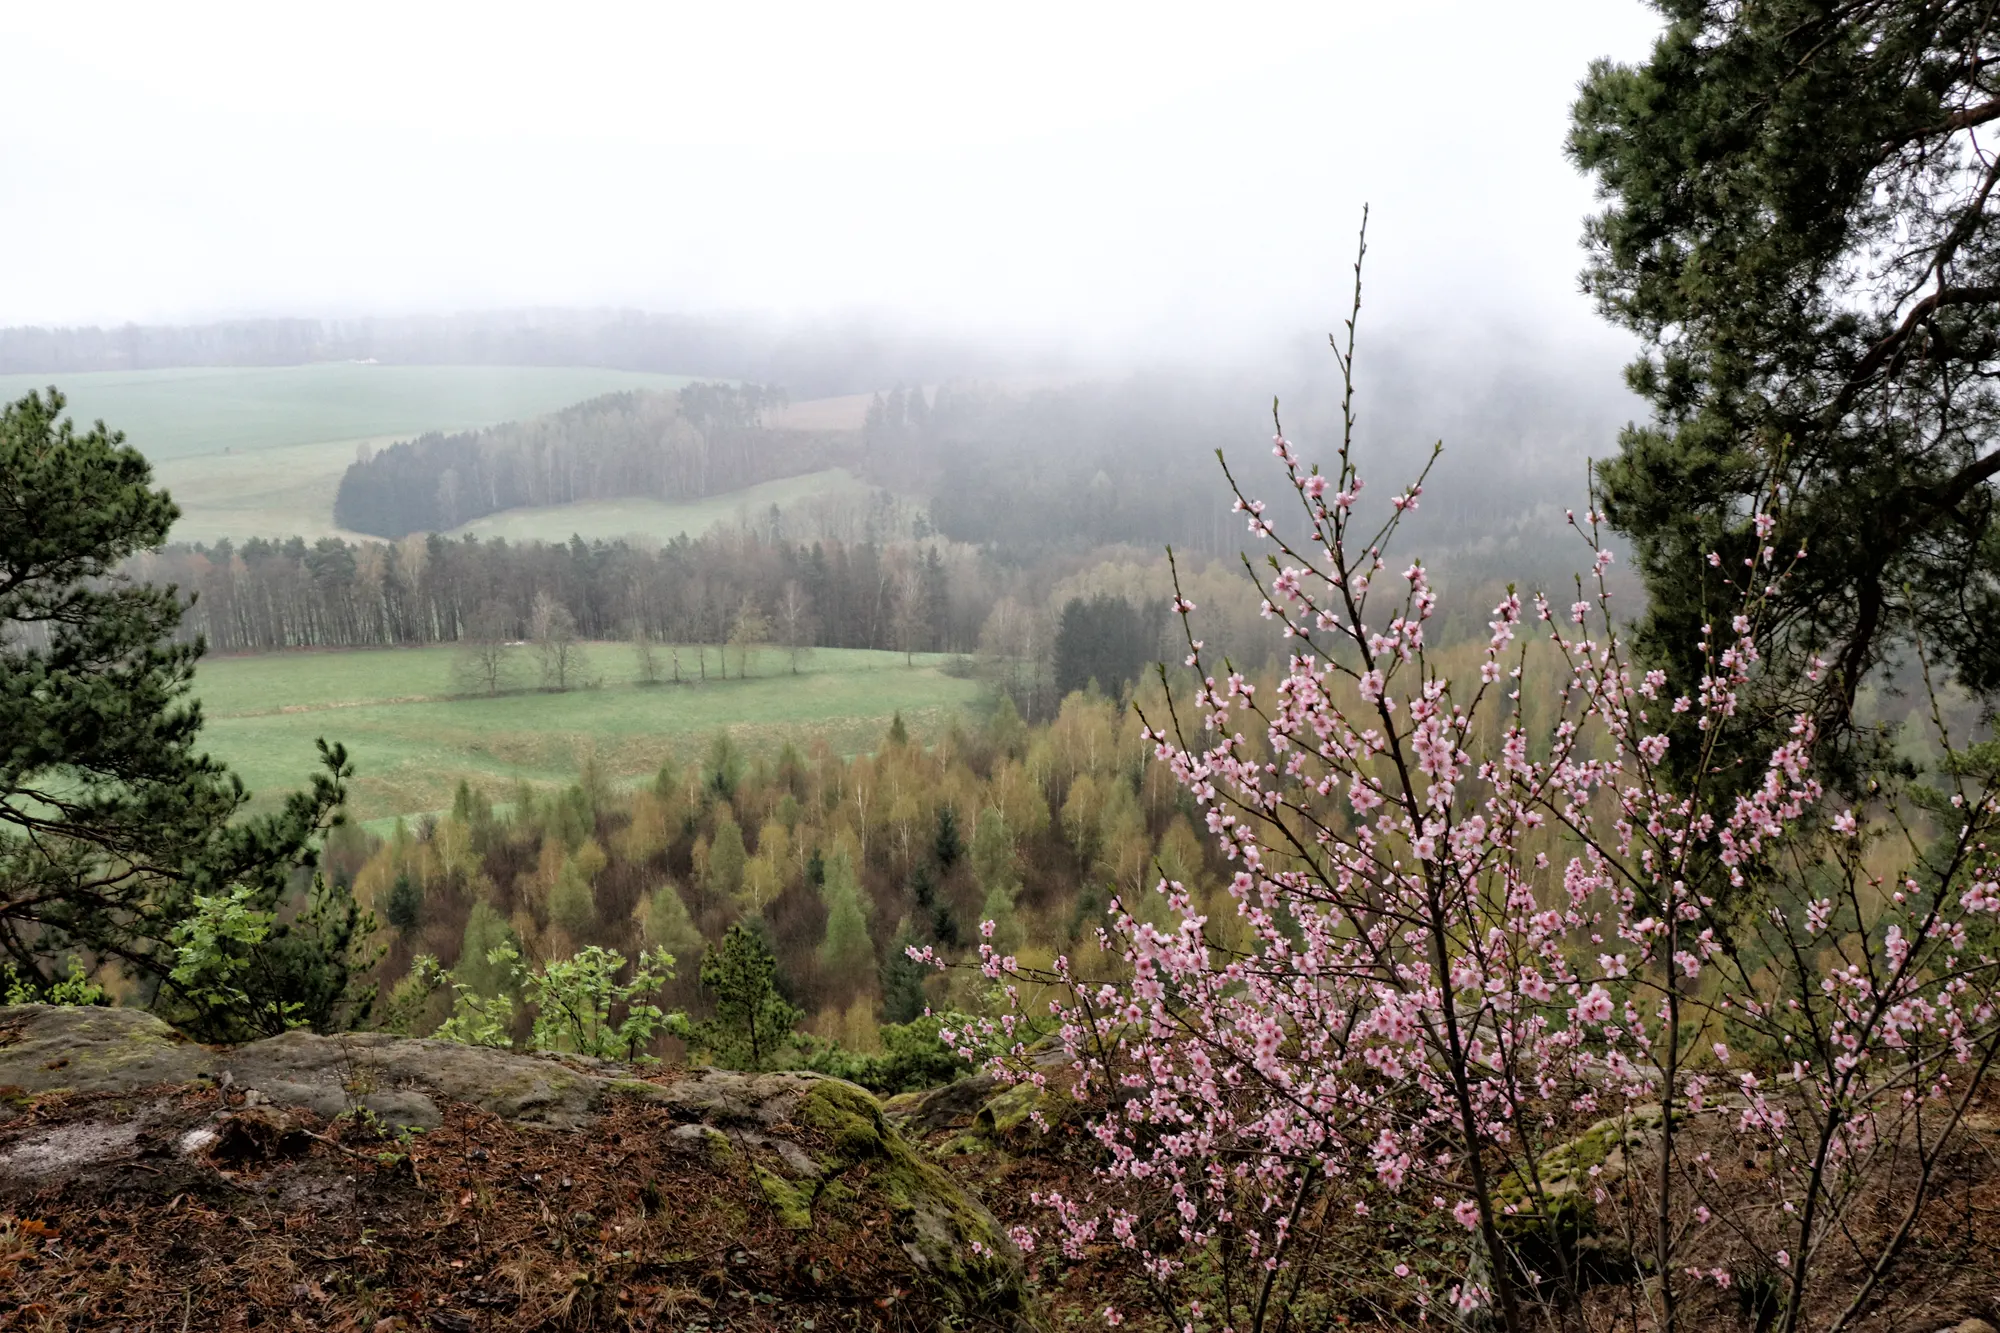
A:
x: 814, y: 362
x: 726, y: 596
x: 703, y: 440
x: 1024, y: 474
x: 266, y: 595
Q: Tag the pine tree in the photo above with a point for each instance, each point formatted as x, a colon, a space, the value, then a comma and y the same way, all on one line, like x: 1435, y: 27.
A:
x: 571, y: 904
x: 95, y: 711
x: 1005, y: 731
x: 936, y: 597
x: 998, y: 908
x: 933, y: 913
x: 485, y: 931
x: 993, y: 851
x: 668, y: 925
x: 1799, y: 227
x: 947, y: 847
x: 725, y: 765
x: 753, y: 1024
x: 903, y: 997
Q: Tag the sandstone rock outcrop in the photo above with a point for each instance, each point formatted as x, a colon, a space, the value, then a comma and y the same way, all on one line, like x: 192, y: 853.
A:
x: 102, y: 1105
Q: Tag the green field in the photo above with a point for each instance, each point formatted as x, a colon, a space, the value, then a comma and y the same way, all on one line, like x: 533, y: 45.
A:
x: 411, y: 740
x: 259, y: 452
x: 665, y: 519
x: 174, y: 414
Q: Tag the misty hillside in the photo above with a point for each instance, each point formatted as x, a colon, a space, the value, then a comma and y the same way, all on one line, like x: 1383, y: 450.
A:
x: 1078, y: 464
x: 704, y: 440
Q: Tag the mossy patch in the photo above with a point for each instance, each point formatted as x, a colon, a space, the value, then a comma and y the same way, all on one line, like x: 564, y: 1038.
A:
x: 962, y: 1146
x: 955, y: 1239
x: 1557, y: 1206
x: 1010, y: 1115
x: 634, y: 1087
x: 791, y: 1206
x: 84, y: 1049
x: 847, y: 1115
x: 721, y: 1152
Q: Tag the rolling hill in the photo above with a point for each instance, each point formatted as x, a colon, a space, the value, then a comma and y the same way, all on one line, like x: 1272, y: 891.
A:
x: 250, y: 452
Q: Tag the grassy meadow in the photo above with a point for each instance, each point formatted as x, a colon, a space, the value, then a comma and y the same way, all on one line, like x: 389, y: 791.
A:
x: 259, y: 451
x: 663, y: 520
x: 172, y: 414
x: 412, y: 738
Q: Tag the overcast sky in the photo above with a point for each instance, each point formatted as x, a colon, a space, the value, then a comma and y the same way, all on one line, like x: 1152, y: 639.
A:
x: 1151, y: 175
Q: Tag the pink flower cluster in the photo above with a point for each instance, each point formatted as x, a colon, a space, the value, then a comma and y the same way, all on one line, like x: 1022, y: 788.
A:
x: 1466, y: 932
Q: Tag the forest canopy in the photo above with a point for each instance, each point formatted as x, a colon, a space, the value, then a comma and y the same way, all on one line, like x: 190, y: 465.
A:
x: 703, y: 440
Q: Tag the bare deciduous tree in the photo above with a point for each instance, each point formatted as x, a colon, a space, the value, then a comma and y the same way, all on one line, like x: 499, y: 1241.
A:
x: 751, y: 632
x: 912, y: 630
x: 1014, y: 645
x: 795, y: 622
x: 485, y: 663
x: 648, y: 659
x: 553, y: 630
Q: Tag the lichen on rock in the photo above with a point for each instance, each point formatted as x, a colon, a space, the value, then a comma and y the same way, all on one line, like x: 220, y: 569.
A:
x: 49, y: 1048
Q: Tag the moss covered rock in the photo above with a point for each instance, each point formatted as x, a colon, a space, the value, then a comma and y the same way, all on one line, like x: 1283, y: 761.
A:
x: 948, y: 1106
x: 1018, y: 1115
x: 980, y: 1114
x: 1556, y: 1203
x: 50, y: 1048
x: 812, y: 1155
x: 946, y: 1232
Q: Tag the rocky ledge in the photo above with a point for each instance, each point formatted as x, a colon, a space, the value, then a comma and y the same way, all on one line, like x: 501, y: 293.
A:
x: 383, y: 1183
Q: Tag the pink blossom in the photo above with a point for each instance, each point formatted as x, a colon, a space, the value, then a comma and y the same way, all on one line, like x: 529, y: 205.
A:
x: 1417, y: 889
